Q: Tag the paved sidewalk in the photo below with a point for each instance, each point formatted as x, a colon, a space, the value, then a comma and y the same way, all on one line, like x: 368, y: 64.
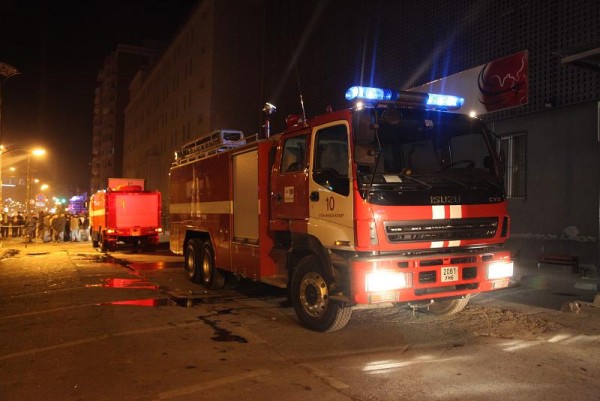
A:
x: 557, y: 282
x: 9, y: 245
x: 19, y: 243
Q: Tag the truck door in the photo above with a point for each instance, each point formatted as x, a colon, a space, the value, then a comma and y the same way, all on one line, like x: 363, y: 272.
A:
x: 290, y: 182
x: 330, y: 194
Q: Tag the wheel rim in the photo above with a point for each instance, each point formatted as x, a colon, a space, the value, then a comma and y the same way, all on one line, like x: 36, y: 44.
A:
x: 314, y: 294
x: 189, y: 265
x: 206, y: 267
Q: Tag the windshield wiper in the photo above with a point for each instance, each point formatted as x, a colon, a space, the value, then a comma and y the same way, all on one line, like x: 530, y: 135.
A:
x: 459, y: 182
x: 470, y: 184
x: 403, y: 175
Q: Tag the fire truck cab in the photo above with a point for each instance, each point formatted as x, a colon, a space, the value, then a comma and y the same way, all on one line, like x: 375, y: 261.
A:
x: 393, y: 201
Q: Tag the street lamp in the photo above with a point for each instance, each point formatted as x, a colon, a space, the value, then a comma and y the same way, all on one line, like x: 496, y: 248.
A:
x: 6, y: 71
x: 35, y: 152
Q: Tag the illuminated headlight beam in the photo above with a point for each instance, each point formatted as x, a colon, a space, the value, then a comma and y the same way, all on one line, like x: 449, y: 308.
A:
x: 380, y: 281
x: 500, y: 270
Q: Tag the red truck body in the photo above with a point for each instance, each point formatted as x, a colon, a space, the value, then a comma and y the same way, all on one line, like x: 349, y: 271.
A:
x: 376, y: 205
x: 127, y: 214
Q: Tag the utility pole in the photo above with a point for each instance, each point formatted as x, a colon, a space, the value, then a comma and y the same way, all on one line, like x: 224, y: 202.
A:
x: 6, y: 71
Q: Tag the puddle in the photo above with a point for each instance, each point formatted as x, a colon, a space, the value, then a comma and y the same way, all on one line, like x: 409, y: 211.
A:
x: 148, y: 302
x: 138, y: 267
x: 137, y: 283
x: 135, y: 266
x: 133, y: 283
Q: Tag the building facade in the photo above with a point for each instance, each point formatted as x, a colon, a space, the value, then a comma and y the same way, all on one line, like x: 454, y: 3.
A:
x: 111, y: 97
x: 207, y: 79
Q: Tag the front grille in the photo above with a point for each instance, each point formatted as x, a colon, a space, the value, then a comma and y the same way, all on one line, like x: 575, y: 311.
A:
x: 427, y: 277
x: 450, y: 288
x: 463, y: 260
x: 469, y: 273
x: 441, y: 230
x: 431, y: 262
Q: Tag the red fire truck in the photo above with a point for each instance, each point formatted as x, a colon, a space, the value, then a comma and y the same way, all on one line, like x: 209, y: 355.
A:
x: 126, y: 214
x: 394, y: 201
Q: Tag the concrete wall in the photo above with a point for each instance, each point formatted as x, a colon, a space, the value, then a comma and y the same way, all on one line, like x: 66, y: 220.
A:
x: 560, y: 212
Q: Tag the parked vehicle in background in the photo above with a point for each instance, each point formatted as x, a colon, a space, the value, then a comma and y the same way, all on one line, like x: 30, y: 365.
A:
x: 127, y: 214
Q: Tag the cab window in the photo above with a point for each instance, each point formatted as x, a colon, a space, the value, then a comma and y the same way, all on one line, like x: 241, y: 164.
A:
x: 293, y: 157
x: 331, y: 159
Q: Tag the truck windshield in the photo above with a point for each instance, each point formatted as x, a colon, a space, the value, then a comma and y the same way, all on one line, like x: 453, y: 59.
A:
x: 407, y: 149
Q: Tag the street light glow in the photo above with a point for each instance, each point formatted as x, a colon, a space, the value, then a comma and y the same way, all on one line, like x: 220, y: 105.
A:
x: 29, y: 151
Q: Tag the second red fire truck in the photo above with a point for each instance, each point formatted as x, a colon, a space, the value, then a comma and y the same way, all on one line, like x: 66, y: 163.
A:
x: 394, y: 200
x: 127, y: 214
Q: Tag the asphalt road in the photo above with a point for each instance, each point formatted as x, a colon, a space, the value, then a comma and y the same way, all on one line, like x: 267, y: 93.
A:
x: 79, y: 325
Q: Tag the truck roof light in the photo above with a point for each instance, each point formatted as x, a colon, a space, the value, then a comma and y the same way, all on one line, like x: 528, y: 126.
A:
x: 446, y: 101
x: 369, y: 93
x: 431, y: 100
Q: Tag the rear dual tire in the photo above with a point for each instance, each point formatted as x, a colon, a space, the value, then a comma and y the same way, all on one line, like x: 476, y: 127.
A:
x: 200, y: 265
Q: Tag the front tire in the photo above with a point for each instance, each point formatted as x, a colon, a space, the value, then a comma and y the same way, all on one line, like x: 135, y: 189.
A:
x: 310, y: 288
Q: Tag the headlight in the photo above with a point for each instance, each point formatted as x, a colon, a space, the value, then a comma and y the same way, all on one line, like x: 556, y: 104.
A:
x: 500, y: 270
x: 379, y: 281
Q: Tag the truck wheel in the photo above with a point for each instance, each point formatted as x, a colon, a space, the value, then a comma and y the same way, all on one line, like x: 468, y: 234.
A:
x: 212, y: 277
x: 192, y: 259
x: 310, y: 298
x: 200, y: 265
x: 103, y: 244
x: 448, y: 307
x: 148, y: 246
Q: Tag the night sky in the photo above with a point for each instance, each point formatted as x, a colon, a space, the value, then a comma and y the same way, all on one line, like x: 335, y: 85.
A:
x: 58, y: 47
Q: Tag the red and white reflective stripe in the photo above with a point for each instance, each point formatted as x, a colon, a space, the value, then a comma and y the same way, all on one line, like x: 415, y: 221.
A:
x: 445, y: 212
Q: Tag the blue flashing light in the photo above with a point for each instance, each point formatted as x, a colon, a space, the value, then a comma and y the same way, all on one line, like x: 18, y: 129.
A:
x: 434, y: 100
x: 448, y: 101
x: 369, y: 93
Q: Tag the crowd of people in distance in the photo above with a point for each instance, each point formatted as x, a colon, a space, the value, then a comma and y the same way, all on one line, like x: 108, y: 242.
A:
x: 46, y: 227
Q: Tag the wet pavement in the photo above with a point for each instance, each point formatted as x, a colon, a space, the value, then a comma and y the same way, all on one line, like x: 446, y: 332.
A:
x: 77, y: 324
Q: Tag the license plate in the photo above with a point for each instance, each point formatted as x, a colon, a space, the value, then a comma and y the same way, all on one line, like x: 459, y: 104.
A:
x: 449, y: 274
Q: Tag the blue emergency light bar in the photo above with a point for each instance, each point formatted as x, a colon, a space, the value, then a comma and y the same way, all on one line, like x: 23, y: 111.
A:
x: 368, y: 93
x: 434, y: 100
x: 449, y: 101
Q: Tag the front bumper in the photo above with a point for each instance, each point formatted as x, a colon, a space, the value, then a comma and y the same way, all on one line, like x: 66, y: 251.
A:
x: 378, y: 279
